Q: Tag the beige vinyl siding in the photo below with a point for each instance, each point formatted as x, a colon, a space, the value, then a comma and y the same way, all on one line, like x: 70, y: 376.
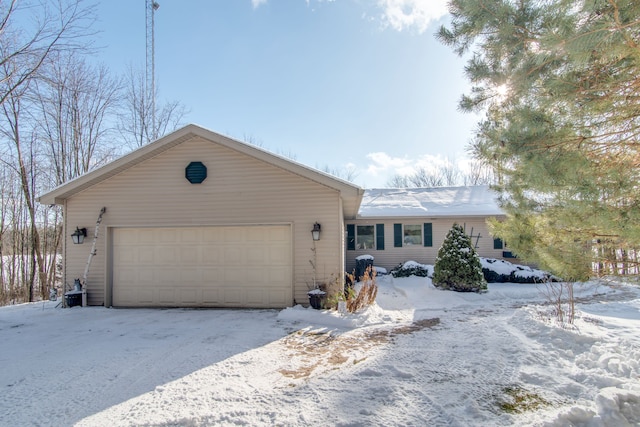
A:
x: 239, y: 190
x: 392, y: 256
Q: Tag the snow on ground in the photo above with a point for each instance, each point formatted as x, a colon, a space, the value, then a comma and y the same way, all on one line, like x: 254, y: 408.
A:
x: 420, y: 356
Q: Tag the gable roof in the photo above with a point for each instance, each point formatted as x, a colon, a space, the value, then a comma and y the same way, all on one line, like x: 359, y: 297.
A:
x: 429, y: 202
x: 351, y: 194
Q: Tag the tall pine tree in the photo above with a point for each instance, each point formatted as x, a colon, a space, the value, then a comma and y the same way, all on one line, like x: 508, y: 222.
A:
x: 560, y: 84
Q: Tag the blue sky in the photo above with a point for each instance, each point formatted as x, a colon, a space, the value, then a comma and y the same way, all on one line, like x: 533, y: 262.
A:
x: 329, y: 83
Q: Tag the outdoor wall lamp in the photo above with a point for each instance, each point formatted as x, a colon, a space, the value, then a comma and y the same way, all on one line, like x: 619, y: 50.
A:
x: 316, y: 231
x: 79, y: 235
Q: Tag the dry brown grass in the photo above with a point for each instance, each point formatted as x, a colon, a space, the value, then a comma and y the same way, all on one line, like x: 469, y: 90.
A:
x: 367, y: 293
x: 316, y: 352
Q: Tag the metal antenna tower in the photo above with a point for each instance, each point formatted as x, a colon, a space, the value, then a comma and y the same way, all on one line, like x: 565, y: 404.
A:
x: 150, y: 79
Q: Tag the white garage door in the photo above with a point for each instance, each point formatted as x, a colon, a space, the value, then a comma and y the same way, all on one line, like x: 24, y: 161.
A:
x: 244, y: 266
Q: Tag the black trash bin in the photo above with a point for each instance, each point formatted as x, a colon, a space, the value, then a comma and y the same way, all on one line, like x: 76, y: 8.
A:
x: 362, y: 262
x: 73, y: 298
x: 317, y: 299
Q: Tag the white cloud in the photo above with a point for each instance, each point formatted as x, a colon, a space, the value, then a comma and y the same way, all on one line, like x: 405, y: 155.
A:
x: 381, y: 167
x: 412, y: 14
x: 382, y: 162
x: 257, y: 3
x: 399, y: 14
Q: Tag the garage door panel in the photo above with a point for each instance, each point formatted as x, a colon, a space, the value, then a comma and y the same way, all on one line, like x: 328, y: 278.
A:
x: 132, y: 237
x: 233, y: 235
x: 234, y: 275
x: 255, y: 276
x: 232, y: 296
x: 145, y: 255
x: 203, y: 267
x: 190, y: 235
x: 278, y: 256
x: 234, y: 255
x: 166, y: 295
x: 277, y: 297
x: 167, y: 235
x: 211, y: 234
x: 211, y: 296
x: 212, y: 256
x: 277, y: 275
x: 126, y: 275
x: 190, y: 276
x: 278, y: 235
x: 145, y: 276
x: 211, y: 273
x: 256, y: 255
x: 189, y: 296
x: 142, y: 235
x: 255, y: 296
x: 145, y: 296
x: 125, y: 253
x: 167, y: 255
x: 127, y: 294
x: 257, y: 236
x: 164, y: 276
x: 190, y: 256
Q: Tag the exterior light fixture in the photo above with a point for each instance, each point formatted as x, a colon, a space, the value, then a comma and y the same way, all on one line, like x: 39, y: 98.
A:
x: 79, y: 235
x: 316, y: 231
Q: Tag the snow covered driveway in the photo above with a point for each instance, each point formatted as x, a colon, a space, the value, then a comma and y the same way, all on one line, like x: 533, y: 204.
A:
x: 420, y: 357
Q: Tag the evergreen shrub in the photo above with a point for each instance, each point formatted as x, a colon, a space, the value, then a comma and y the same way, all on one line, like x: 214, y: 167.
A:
x: 458, y: 266
x: 411, y: 268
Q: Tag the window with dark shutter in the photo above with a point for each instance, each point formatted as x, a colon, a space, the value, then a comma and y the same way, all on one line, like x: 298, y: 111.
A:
x: 351, y: 237
x: 497, y: 244
x: 380, y: 237
x: 428, y: 234
x: 397, y: 235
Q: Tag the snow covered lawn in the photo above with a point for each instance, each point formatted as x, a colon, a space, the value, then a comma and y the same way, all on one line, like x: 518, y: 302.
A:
x: 421, y: 356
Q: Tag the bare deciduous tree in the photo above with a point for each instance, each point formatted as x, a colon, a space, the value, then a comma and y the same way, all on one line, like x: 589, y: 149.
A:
x: 423, y: 178
x: 31, y: 32
x: 136, y: 124
x: 75, y: 100
x: 444, y: 175
x: 56, y: 26
x: 23, y: 161
x: 348, y: 172
x: 479, y: 174
x: 398, y: 181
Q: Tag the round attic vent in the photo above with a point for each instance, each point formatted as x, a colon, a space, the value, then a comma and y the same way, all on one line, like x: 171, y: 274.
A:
x: 195, y: 172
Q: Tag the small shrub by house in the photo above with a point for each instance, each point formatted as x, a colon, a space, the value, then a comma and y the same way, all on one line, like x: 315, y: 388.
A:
x: 457, y: 266
x: 412, y: 268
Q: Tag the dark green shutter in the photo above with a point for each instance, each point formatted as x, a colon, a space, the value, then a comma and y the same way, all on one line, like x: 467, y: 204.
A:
x: 380, y: 237
x: 351, y: 237
x: 428, y: 234
x: 497, y: 244
x: 397, y: 235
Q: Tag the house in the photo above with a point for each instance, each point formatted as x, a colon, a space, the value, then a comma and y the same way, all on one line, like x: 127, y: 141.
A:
x: 397, y: 225
x: 196, y: 219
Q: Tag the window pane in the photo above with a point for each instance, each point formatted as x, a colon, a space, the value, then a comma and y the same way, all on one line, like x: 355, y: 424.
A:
x: 365, y: 237
x: 413, y: 235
